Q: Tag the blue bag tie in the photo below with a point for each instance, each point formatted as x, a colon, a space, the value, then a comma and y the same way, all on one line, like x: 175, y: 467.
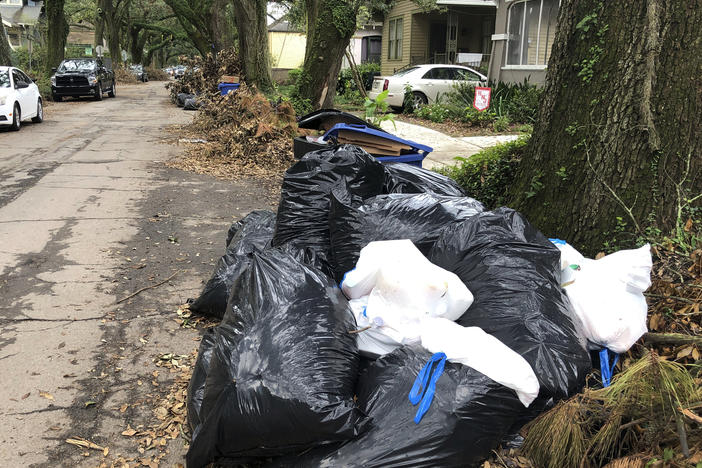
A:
x: 606, y: 369
x: 425, y: 385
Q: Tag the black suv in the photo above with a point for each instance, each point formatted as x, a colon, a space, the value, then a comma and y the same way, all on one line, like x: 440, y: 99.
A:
x: 82, y: 77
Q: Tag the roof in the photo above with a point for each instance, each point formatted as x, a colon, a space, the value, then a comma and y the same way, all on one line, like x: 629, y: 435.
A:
x: 24, y: 15
x: 284, y: 26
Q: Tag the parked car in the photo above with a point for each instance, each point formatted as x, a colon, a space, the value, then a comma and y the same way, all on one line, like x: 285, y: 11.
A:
x: 82, y: 77
x: 428, y: 82
x: 139, y: 72
x: 19, y: 98
x: 179, y: 71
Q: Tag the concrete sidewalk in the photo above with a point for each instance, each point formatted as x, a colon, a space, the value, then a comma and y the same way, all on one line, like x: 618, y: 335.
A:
x: 446, y: 147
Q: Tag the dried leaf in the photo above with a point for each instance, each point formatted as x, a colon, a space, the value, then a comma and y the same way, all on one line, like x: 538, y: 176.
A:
x: 123, y: 408
x: 26, y: 395
x: 129, y: 432
x: 686, y: 351
x: 46, y: 395
x: 85, y: 443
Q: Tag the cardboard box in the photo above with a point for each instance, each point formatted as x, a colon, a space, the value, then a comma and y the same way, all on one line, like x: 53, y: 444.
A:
x: 229, y: 79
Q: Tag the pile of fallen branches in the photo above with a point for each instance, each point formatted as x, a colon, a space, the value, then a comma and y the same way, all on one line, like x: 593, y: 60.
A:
x: 245, y: 135
x: 202, y: 75
x: 124, y: 76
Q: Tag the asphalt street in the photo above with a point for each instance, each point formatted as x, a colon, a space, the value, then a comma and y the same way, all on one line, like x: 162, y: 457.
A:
x: 89, y: 215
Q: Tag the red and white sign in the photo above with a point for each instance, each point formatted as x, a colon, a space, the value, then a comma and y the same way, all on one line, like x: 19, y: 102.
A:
x: 482, y: 98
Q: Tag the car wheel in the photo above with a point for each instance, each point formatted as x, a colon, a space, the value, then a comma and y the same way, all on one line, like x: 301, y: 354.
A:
x: 113, y: 91
x: 16, y: 118
x: 56, y: 98
x: 39, y: 118
x: 98, y: 92
x: 419, y: 99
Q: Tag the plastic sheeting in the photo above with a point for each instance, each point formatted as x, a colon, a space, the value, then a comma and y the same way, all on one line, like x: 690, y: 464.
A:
x: 418, y: 217
x: 253, y: 233
x: 406, y: 178
x: 513, y: 272
x: 283, y: 369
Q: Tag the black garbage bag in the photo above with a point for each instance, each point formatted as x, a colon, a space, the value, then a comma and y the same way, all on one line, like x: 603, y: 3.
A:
x: 303, y: 212
x: 283, y: 372
x: 468, y: 417
x: 406, y: 178
x: 248, y: 227
x: 253, y: 233
x: 191, y: 104
x: 196, y: 387
x: 513, y: 272
x: 418, y: 217
x: 182, y: 97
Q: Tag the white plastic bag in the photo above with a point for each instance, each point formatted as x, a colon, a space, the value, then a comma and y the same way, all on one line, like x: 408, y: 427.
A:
x: 393, y: 288
x: 472, y: 347
x: 607, y: 295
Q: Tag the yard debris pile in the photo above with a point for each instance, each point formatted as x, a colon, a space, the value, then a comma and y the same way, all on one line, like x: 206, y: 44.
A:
x: 246, y: 135
x: 124, y: 76
x: 202, y: 74
x: 290, y: 373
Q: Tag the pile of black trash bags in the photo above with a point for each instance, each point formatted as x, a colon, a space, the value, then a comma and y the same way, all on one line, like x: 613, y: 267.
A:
x: 280, y: 381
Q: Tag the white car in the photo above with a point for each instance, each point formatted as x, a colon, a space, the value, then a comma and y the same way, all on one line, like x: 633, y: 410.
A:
x: 19, y: 98
x: 428, y: 82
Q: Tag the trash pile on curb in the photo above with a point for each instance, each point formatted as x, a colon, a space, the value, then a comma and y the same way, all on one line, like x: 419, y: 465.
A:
x: 384, y: 318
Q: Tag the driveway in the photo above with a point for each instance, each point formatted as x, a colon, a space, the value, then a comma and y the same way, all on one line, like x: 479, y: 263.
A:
x: 89, y: 215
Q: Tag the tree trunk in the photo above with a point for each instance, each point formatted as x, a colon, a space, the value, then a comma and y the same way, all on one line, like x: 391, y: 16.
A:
x: 222, y: 34
x: 617, y: 143
x: 331, y: 24
x: 252, y: 31
x: 5, y: 51
x: 111, y: 26
x: 57, y: 33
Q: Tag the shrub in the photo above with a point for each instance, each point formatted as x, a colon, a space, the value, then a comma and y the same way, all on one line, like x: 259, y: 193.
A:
x: 435, y: 112
x: 294, y: 74
x: 347, y: 83
x: 487, y: 175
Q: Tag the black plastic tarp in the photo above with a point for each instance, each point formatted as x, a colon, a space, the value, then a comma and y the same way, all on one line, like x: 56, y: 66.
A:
x: 251, y: 234
x: 418, y: 217
x: 283, y: 368
x: 468, y: 417
x: 513, y: 272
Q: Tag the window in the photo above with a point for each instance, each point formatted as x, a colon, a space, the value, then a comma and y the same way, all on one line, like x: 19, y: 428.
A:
x: 17, y: 78
x: 14, y: 39
x: 531, y: 26
x: 465, y: 75
x: 395, y: 39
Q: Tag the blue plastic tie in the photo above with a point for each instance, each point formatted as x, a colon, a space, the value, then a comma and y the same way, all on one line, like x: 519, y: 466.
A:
x: 605, y: 368
x: 557, y: 241
x: 422, y: 392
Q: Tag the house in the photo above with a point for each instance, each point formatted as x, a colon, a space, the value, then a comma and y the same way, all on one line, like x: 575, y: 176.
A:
x: 20, y: 18
x: 287, y: 44
x: 521, y: 46
x: 456, y: 32
x: 508, y: 40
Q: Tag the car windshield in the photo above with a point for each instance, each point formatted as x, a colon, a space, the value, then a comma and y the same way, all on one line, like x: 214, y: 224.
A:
x: 4, y: 79
x: 404, y: 72
x: 136, y: 67
x: 77, y: 65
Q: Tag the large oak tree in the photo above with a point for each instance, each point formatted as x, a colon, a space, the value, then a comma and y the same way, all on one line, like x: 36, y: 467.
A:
x: 617, y: 147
